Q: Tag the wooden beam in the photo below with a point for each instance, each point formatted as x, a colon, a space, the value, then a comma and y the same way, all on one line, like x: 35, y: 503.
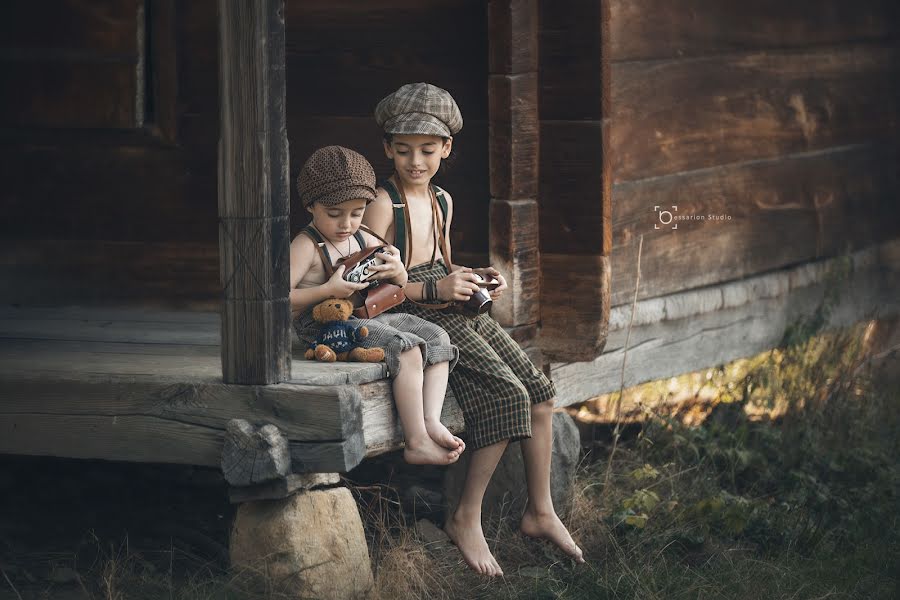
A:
x: 513, y: 144
x: 254, y: 197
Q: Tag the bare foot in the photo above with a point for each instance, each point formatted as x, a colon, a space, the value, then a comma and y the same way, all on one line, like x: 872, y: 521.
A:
x: 469, y: 538
x: 425, y: 451
x: 442, y: 436
x: 549, y: 527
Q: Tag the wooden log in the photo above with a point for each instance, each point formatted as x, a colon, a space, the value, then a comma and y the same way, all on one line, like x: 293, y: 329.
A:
x: 513, y: 31
x: 79, y: 27
x: 253, y: 193
x: 685, y: 115
x: 514, y: 136
x: 254, y: 455
x: 575, y: 210
x: 574, y: 307
x: 753, y: 217
x: 570, y: 58
x: 658, y: 29
x: 515, y: 253
x: 748, y: 317
x: 514, y: 142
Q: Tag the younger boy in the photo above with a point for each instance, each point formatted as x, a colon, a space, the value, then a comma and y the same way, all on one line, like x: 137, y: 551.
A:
x: 335, y: 185
x: 502, y: 395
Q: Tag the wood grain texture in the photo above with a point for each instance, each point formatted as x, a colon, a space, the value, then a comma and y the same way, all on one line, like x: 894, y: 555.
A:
x: 682, y: 115
x: 574, y: 214
x: 515, y: 253
x: 574, y: 306
x: 513, y: 36
x: 656, y: 29
x: 254, y: 229
x: 570, y: 57
x: 749, y: 317
x: 514, y: 136
x: 779, y: 212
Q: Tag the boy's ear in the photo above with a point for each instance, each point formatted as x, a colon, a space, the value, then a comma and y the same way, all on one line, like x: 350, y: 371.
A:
x: 448, y: 145
x: 309, y: 208
x: 388, y: 151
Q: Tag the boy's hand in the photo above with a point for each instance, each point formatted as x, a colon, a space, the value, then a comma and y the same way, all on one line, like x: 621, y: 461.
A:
x: 392, y: 267
x: 492, y: 272
x: 340, y: 288
x: 458, y: 285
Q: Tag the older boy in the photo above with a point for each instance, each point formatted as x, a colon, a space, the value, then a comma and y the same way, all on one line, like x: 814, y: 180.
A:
x: 502, y: 395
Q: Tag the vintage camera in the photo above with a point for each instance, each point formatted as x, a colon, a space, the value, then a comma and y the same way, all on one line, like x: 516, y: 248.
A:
x: 480, y: 301
x: 360, y: 271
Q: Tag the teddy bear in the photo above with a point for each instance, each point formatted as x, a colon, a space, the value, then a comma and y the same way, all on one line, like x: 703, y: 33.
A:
x: 338, y: 339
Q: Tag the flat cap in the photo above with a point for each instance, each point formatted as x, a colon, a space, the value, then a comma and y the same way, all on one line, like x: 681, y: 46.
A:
x: 419, y: 108
x: 335, y: 174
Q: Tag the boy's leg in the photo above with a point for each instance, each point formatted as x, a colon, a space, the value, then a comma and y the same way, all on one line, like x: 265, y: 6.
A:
x: 407, y: 387
x: 540, y: 518
x: 464, y: 526
x: 433, y: 392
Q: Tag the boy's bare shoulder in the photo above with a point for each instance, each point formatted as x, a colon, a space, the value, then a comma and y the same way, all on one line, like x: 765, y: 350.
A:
x: 302, y: 246
x: 382, y: 202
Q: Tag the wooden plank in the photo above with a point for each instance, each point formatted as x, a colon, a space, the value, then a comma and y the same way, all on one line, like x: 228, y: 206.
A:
x: 570, y: 59
x: 574, y: 213
x: 751, y: 320
x: 102, y: 29
x: 779, y: 212
x: 253, y: 194
x: 514, y: 135
x: 515, y: 253
x: 655, y: 29
x: 683, y: 115
x: 48, y: 272
x: 302, y: 413
x: 124, y: 192
x: 77, y: 94
x: 513, y: 35
x: 574, y: 306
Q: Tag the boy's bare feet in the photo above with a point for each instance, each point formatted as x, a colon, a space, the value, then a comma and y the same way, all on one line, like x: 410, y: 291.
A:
x: 425, y: 451
x: 469, y: 538
x: 549, y: 527
x: 442, y: 436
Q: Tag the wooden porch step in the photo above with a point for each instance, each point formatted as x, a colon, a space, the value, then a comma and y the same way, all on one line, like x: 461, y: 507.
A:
x: 145, y: 386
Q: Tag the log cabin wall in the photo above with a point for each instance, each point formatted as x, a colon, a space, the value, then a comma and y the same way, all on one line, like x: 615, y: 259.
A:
x: 109, y: 127
x: 781, y: 116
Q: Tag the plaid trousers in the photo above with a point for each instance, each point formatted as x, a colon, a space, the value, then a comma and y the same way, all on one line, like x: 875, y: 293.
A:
x: 494, y: 382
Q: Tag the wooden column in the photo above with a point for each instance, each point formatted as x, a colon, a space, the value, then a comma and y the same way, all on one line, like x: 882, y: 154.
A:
x: 253, y: 193
x: 514, y: 137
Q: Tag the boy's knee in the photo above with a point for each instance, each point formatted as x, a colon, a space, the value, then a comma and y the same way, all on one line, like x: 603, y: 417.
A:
x: 412, y: 356
x: 542, y: 409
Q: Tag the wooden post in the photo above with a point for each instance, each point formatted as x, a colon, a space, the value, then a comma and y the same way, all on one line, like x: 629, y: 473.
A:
x: 254, y: 195
x: 514, y: 136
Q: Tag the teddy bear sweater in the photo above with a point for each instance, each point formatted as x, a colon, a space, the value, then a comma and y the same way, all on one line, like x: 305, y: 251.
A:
x: 340, y: 336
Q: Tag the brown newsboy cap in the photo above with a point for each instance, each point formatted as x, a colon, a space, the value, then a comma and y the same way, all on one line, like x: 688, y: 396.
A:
x: 419, y: 108
x: 335, y: 174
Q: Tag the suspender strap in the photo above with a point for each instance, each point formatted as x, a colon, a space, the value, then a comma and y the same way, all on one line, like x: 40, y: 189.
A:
x: 360, y: 239
x: 317, y: 239
x: 402, y: 240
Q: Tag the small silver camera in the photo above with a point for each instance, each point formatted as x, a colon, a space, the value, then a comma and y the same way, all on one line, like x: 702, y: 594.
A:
x: 480, y: 302
x: 361, y: 271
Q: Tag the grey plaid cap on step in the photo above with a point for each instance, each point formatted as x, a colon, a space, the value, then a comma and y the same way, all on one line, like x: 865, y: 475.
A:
x: 419, y: 108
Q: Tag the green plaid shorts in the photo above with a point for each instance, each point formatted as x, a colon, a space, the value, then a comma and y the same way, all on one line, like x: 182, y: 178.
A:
x: 494, y: 382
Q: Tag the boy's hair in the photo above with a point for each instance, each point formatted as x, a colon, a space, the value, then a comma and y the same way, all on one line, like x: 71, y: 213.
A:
x: 335, y: 174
